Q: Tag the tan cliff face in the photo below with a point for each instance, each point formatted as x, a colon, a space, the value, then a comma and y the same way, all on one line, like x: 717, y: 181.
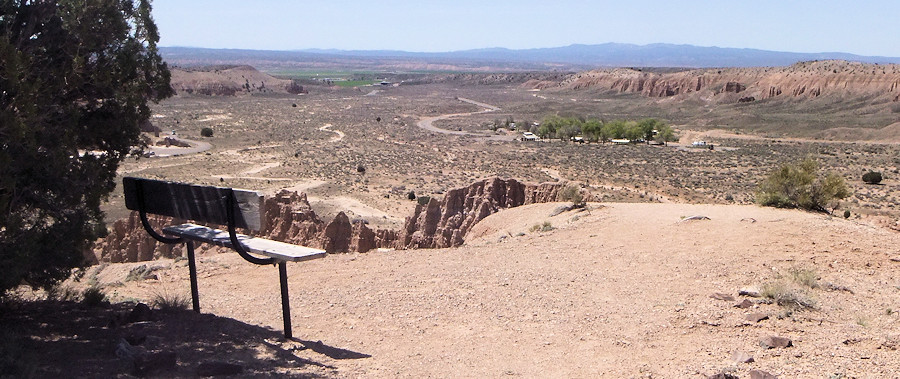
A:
x: 805, y: 79
x: 291, y: 219
x: 229, y: 81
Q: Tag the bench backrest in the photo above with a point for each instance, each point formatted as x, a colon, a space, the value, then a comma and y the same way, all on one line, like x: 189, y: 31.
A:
x: 205, y: 204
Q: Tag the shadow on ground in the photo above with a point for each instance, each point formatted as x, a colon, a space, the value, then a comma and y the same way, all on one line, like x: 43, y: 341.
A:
x: 66, y: 339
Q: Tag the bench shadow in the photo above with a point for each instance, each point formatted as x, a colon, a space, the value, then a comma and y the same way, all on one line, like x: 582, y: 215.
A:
x: 65, y: 339
x: 331, y: 352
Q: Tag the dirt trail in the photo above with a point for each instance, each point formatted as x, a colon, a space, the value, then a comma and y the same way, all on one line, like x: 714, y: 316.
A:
x: 339, y: 135
x: 427, y: 123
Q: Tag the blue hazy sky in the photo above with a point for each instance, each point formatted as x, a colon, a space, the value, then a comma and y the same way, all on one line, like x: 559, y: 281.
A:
x: 858, y: 27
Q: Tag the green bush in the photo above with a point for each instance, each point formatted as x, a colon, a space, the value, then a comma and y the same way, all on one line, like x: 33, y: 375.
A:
x: 872, y: 177
x: 206, y: 132
x: 802, y: 186
x: 847, y: 213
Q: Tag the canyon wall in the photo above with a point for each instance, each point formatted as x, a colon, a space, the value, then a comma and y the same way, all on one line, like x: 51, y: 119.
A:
x: 290, y: 218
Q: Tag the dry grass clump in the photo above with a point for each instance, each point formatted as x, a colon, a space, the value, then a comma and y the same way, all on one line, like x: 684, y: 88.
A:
x: 546, y: 226
x: 788, y: 296
x: 791, y: 290
x: 166, y: 301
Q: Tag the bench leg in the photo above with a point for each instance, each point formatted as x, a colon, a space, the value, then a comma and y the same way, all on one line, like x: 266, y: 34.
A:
x: 192, y: 266
x: 285, y: 301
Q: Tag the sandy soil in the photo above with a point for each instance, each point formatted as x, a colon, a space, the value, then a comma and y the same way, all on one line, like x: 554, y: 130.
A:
x: 618, y: 290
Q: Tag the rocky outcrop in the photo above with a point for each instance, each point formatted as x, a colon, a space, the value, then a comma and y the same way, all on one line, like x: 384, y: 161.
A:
x: 804, y: 79
x: 128, y: 242
x: 289, y: 218
x: 229, y: 81
x: 445, y: 223
x: 732, y: 87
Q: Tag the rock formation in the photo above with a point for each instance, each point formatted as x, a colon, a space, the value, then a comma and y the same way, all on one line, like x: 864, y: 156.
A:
x: 229, y: 81
x: 445, y: 223
x: 803, y: 79
x: 289, y: 218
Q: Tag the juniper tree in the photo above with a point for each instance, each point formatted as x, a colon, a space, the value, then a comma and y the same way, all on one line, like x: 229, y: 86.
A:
x: 75, y: 80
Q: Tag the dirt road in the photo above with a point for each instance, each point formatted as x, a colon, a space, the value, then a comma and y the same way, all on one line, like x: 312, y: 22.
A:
x: 427, y: 123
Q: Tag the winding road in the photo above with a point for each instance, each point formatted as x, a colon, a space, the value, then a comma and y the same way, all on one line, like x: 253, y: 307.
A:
x: 427, y: 123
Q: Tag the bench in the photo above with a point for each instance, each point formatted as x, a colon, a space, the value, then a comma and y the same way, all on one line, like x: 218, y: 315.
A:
x: 233, y: 208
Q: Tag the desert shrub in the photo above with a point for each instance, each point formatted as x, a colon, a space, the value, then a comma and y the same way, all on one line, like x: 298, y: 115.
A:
x: 802, y: 186
x: 847, y: 213
x: 94, y: 297
x: 141, y: 272
x: 546, y: 226
x: 206, y: 132
x: 805, y: 277
x: 170, y: 302
x: 787, y: 296
x: 572, y: 193
x: 423, y: 200
x: 411, y: 195
x: 872, y: 177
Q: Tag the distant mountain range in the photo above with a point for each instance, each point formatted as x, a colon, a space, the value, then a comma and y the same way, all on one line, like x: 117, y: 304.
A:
x: 572, y: 57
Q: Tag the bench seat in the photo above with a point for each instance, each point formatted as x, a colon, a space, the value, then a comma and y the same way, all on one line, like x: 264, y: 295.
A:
x: 279, y: 250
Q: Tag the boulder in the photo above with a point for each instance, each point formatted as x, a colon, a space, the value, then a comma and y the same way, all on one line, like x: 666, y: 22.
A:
x: 772, y: 342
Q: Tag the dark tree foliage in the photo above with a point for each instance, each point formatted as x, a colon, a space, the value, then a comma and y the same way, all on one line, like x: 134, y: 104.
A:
x: 75, y: 79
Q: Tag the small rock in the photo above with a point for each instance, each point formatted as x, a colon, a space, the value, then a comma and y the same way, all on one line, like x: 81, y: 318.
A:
x: 749, y: 291
x: 722, y: 296
x: 759, y: 374
x: 741, y: 357
x: 695, y: 218
x: 771, y: 342
x: 756, y: 317
x: 895, y: 259
x: 744, y: 304
x: 723, y: 375
x: 140, y: 312
x: 149, y: 363
x: 219, y: 369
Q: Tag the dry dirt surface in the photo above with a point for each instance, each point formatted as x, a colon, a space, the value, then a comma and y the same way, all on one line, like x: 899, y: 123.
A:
x: 617, y: 290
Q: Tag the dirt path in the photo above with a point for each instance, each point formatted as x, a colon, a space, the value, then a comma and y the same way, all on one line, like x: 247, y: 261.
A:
x: 427, y: 123
x: 339, y: 135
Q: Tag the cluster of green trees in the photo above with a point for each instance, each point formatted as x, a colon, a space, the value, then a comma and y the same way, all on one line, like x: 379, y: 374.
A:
x: 595, y: 130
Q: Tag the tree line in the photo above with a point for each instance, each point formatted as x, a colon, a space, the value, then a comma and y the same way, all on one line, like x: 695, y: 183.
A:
x: 595, y: 130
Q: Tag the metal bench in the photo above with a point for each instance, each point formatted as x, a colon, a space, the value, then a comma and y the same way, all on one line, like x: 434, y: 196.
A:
x: 234, y: 208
